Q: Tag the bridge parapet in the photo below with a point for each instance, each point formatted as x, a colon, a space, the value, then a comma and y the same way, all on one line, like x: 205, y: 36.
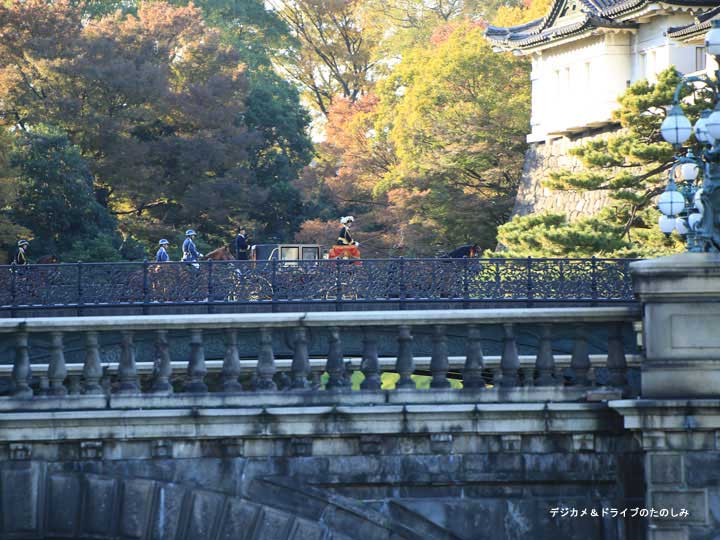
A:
x: 473, y: 374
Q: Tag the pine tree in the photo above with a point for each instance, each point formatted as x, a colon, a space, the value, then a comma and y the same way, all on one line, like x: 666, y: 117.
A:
x: 632, y: 165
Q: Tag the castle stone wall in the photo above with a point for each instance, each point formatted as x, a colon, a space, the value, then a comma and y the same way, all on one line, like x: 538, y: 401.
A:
x: 540, y: 160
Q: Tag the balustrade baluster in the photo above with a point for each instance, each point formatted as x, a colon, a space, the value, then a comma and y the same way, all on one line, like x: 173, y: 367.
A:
x: 92, y: 369
x: 369, y: 365
x: 510, y: 361
x: 196, y: 366
x: 439, y: 360
x: 127, y: 370
x: 21, y: 367
x: 57, y: 370
x: 616, y: 361
x: 474, y: 363
x: 266, y: 362
x: 301, y: 363
x: 545, y: 361
x: 580, y: 360
x: 163, y: 366
x: 231, y: 363
x: 335, y: 362
x: 405, y: 362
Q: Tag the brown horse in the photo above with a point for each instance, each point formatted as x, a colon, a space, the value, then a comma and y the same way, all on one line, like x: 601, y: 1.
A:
x: 220, y: 254
x: 48, y: 259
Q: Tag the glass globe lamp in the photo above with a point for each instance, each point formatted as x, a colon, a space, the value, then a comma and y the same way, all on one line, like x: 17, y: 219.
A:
x: 713, y: 124
x: 671, y: 202
x: 689, y: 172
x: 676, y: 128
x: 700, y: 128
x: 681, y: 226
x: 712, y: 39
x: 667, y: 224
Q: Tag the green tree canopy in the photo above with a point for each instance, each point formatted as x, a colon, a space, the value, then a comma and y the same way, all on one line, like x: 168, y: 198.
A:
x: 632, y: 165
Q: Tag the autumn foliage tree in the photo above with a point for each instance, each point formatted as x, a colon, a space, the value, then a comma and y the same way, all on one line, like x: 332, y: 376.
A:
x: 157, y: 104
x: 432, y: 158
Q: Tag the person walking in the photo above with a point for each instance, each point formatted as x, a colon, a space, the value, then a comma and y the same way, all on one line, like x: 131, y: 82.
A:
x: 162, y: 255
x: 190, y: 252
x: 20, y: 257
x: 240, y: 246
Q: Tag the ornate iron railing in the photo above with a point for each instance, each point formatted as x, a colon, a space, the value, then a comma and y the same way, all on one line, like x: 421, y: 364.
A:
x: 401, y: 282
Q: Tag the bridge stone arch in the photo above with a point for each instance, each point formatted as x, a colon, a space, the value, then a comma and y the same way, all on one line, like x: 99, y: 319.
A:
x: 38, y: 504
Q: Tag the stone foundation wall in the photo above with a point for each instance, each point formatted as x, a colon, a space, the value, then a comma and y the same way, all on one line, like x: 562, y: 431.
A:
x: 540, y: 160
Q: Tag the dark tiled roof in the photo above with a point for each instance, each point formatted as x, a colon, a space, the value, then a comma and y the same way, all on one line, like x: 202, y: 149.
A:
x: 700, y: 26
x: 595, y: 14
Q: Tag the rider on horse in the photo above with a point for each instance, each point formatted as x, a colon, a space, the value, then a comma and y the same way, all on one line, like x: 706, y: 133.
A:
x: 162, y: 255
x: 190, y: 252
x: 240, y: 245
x: 20, y: 258
x: 345, y: 245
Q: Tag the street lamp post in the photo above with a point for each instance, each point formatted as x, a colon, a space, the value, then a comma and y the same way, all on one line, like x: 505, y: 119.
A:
x: 694, y: 209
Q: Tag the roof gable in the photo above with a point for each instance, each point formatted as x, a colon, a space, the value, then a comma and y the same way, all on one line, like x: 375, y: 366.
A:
x: 573, y: 17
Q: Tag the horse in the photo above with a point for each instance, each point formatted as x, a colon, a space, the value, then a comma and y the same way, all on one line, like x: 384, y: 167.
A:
x: 469, y: 250
x: 48, y: 259
x: 220, y: 254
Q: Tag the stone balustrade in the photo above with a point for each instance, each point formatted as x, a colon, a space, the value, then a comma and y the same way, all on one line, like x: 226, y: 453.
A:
x: 473, y: 371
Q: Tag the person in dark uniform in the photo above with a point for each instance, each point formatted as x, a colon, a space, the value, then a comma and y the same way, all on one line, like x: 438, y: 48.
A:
x: 240, y: 246
x: 20, y: 257
x: 344, y: 236
x: 162, y: 255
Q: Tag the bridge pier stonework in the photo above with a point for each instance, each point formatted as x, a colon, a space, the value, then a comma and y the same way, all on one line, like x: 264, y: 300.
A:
x: 677, y: 417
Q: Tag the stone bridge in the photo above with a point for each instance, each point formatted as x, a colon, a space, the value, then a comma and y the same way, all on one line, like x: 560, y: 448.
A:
x: 433, y: 439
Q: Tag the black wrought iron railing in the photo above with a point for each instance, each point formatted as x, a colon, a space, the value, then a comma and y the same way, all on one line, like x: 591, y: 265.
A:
x: 461, y: 282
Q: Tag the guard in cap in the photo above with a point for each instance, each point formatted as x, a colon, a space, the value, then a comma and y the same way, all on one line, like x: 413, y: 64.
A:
x: 190, y: 252
x: 20, y: 257
x: 162, y: 255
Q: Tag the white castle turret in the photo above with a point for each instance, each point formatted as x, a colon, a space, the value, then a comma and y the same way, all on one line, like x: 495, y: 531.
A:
x: 584, y: 54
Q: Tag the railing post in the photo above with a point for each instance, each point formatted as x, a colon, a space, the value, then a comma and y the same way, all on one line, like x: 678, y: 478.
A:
x: 231, y: 363
x: 145, y: 287
x: 593, y: 286
x: 13, y: 291
x: 439, y: 359
x: 79, y: 288
x: 273, y: 283
x: 510, y: 361
x: 266, y: 362
x: 300, y: 363
x: 466, y: 282
x: 21, y: 367
x: 210, y: 286
x: 405, y: 362
x: 401, y: 262
x: 616, y: 361
x: 57, y: 370
x: 472, y: 372
x: 545, y: 361
x: 127, y: 370
x: 369, y: 364
x: 196, y: 366
x: 335, y: 362
x: 163, y: 366
x: 580, y: 360
x: 528, y: 265
x: 338, y: 285
x: 92, y: 369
